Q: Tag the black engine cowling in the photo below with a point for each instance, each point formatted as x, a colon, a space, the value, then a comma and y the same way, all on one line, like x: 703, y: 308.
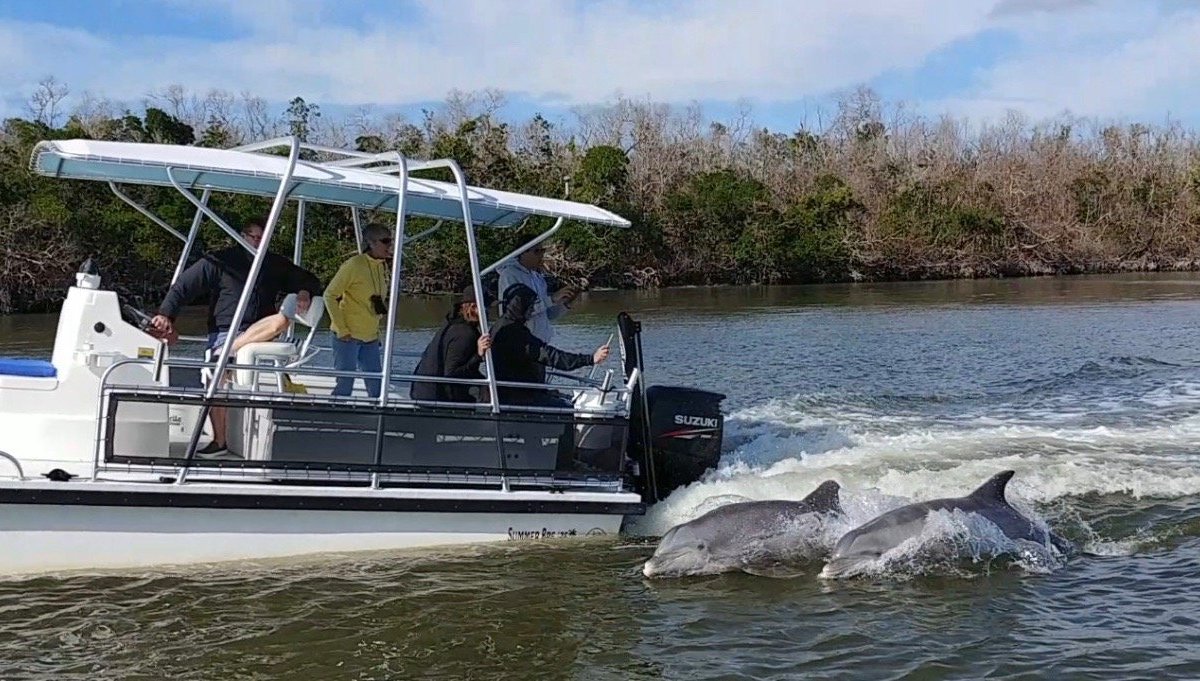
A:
x: 676, y: 432
x: 686, y: 427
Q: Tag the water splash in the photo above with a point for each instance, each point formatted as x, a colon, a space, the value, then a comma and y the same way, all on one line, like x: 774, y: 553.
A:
x: 1121, y: 427
x: 954, y: 543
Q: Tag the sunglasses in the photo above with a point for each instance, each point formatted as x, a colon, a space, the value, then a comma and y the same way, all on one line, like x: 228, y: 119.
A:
x: 386, y: 241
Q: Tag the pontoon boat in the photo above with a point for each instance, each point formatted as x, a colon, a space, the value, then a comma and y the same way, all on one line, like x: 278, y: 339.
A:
x: 98, y: 444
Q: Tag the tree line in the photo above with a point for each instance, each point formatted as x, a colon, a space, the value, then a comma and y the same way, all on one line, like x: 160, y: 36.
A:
x: 865, y: 191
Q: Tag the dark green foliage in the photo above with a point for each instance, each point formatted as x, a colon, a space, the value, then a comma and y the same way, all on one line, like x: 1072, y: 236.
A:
x: 708, y: 219
x: 836, y: 205
x: 944, y: 216
x: 371, y: 144
x: 602, y: 175
x: 165, y: 129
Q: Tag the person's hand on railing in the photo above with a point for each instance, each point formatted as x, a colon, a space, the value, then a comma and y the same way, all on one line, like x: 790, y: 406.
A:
x: 601, y: 354
x: 484, y: 342
x: 163, y: 328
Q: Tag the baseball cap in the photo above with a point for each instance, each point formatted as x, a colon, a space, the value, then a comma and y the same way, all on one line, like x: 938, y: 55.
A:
x: 468, y: 295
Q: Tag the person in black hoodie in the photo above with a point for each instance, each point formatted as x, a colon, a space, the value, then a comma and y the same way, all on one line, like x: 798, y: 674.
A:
x: 220, y: 277
x: 520, y: 356
x: 456, y: 351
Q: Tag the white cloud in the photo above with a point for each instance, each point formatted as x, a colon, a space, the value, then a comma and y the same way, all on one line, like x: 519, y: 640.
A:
x: 1093, y: 57
x: 1011, y: 7
x: 1119, y: 61
x: 570, y: 53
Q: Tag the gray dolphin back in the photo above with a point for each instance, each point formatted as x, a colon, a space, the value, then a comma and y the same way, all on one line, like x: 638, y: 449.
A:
x: 993, y: 489
x: 888, y: 530
x: 824, y: 499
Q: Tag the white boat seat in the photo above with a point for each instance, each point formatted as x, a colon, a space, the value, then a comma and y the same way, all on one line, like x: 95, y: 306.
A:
x: 311, y: 318
x: 277, y: 353
x: 288, y: 352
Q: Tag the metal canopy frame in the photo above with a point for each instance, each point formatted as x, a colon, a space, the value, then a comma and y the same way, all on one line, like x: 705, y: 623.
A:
x: 393, y: 163
x: 392, y: 168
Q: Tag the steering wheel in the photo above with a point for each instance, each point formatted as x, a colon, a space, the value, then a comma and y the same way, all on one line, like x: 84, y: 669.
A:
x: 142, y: 321
x: 135, y: 316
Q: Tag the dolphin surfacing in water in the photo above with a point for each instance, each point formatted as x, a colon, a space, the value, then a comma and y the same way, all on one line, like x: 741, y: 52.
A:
x: 859, y: 548
x: 741, y: 536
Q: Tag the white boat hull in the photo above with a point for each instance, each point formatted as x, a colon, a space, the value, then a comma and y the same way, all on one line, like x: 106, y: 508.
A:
x: 54, y: 537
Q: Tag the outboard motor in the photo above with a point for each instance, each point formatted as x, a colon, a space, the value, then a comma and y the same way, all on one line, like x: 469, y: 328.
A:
x: 686, y: 426
x: 675, y: 433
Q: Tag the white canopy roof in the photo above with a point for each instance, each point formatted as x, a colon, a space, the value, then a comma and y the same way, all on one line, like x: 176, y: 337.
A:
x: 245, y: 172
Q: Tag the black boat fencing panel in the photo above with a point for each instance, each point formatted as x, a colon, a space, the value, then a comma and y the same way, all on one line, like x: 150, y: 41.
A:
x: 289, y: 433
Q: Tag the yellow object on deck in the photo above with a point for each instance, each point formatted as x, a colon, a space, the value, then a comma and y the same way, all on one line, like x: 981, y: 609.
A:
x: 290, y: 386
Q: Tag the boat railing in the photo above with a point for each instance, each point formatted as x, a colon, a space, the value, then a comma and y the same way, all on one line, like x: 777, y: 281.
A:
x: 16, y: 463
x: 301, y: 368
x: 392, y: 442
x: 394, y: 399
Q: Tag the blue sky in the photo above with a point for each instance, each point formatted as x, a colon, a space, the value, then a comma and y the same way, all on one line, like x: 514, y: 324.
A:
x: 1112, y: 60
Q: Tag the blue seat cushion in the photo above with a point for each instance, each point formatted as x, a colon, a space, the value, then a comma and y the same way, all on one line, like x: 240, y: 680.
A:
x: 34, y: 368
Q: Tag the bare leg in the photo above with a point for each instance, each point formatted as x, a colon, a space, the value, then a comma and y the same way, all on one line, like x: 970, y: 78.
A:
x: 265, y: 329
x: 220, y: 424
x: 219, y: 417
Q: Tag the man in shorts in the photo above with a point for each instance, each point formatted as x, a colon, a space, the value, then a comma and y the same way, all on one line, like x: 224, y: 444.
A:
x: 221, y: 276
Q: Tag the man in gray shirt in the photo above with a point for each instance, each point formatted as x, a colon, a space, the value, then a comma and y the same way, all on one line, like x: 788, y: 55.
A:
x: 527, y: 268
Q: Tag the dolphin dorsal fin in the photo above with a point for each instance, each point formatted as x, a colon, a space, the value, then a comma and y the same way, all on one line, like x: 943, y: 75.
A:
x: 993, y: 489
x: 825, y: 497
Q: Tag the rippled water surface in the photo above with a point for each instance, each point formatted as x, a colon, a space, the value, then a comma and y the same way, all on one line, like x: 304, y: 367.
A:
x: 1088, y: 387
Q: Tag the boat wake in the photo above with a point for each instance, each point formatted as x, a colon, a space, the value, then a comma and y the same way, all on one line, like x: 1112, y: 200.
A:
x: 1106, y: 454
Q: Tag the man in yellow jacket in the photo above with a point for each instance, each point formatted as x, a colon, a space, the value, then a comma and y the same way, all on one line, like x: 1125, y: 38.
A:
x: 355, y: 302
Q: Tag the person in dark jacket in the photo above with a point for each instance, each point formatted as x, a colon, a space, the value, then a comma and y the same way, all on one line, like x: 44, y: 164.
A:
x: 456, y: 351
x: 520, y: 356
x: 221, y: 276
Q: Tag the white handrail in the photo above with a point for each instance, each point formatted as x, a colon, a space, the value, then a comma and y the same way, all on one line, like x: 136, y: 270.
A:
x: 194, y: 232
x: 394, y: 291
x: 477, y: 284
x: 298, y: 250
x: 356, y: 218
x: 145, y: 211
x: 545, y: 235
x: 17, y: 464
x: 203, y: 207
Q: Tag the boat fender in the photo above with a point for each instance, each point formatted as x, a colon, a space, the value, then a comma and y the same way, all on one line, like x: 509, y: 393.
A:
x: 58, y: 475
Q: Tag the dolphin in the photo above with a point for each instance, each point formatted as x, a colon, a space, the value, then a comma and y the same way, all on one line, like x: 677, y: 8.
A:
x: 742, y: 536
x: 858, y: 548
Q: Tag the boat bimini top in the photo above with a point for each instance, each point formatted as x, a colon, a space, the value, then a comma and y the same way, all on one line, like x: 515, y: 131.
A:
x: 350, y: 181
